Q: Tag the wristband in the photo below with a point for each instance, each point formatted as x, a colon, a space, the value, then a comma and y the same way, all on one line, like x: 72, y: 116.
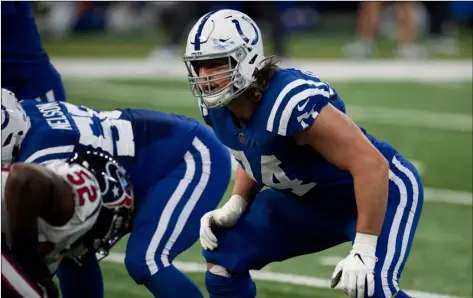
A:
x: 236, y: 203
x: 365, y: 243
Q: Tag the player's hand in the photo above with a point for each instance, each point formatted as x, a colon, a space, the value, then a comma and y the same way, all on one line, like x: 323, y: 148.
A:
x: 355, y: 273
x: 224, y: 217
x: 48, y: 288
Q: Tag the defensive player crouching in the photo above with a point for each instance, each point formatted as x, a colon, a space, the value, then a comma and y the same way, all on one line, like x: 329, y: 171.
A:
x: 61, y: 210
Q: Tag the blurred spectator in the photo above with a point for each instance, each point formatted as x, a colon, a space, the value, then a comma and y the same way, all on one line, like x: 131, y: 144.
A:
x: 177, y: 16
x: 61, y: 18
x: 130, y: 16
x: 26, y: 68
x: 367, y: 24
x: 56, y: 18
x: 441, y: 41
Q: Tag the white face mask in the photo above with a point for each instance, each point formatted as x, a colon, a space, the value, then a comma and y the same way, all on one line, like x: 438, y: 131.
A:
x: 230, y: 81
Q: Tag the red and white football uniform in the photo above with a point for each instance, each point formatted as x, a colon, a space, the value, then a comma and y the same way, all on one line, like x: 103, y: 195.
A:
x: 57, y: 241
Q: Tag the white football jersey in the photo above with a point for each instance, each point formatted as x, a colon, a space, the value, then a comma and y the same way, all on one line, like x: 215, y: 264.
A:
x: 57, y: 241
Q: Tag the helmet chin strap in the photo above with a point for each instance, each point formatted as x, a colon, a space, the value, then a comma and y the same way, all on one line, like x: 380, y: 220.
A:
x: 16, y: 147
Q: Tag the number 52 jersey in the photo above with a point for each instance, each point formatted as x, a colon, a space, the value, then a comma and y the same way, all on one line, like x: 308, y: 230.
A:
x: 56, y: 241
x: 147, y: 143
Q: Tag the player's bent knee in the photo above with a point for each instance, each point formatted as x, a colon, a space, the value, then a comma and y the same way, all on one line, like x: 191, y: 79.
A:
x: 137, y: 269
x: 220, y: 283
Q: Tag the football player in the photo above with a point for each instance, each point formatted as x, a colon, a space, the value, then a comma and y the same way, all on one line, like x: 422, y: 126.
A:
x: 60, y: 210
x: 178, y: 167
x: 26, y: 68
x: 328, y: 181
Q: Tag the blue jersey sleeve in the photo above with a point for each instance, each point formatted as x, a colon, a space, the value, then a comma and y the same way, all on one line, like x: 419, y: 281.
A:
x: 297, y: 106
x: 42, y: 148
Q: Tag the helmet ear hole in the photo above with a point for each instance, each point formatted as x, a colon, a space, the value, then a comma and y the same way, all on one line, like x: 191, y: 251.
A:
x: 196, y: 66
x: 252, y: 61
x: 8, y: 140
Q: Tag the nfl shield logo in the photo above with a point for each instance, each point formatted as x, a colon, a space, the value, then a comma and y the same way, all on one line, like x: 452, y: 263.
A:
x: 242, y: 137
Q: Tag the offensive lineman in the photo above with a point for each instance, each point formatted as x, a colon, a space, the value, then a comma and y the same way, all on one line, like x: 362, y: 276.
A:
x: 178, y: 168
x: 60, y: 210
x: 328, y: 180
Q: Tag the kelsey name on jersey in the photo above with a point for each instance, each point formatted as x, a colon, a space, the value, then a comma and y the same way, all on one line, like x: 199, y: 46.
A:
x: 102, y: 130
x: 54, y: 116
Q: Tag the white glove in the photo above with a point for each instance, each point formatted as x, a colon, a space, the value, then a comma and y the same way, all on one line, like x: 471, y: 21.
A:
x: 356, y: 271
x: 224, y: 217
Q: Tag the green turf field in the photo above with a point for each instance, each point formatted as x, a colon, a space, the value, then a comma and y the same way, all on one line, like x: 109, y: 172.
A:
x: 428, y: 123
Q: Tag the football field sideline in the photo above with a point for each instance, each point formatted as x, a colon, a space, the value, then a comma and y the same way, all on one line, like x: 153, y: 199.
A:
x: 301, y: 280
x: 428, y: 71
x: 373, y: 70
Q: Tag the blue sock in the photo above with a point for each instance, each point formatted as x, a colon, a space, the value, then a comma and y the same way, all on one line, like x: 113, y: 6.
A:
x: 239, y: 287
x: 169, y: 282
x: 81, y: 281
x: 402, y: 294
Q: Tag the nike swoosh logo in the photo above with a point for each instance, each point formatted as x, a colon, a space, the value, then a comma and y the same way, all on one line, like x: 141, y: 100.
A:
x: 358, y: 255
x: 301, y: 107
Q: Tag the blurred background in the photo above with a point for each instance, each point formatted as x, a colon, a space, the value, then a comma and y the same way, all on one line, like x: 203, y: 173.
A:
x: 312, y: 29
x: 404, y: 70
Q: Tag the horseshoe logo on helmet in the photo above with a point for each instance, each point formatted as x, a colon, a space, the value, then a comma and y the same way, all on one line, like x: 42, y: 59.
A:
x: 243, y: 36
x: 5, y: 118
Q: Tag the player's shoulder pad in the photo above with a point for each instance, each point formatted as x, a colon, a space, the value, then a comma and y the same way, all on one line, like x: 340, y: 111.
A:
x: 296, y: 99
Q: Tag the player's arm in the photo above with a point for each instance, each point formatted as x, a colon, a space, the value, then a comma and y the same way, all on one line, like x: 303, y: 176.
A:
x: 244, y: 186
x: 33, y: 191
x: 311, y: 117
x: 343, y: 144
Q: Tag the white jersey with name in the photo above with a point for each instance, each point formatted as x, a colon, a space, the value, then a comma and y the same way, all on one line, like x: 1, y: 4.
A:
x: 56, y: 241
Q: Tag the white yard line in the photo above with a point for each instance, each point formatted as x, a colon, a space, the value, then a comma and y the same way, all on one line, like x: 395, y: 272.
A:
x: 272, y: 276
x: 448, y: 196
x: 372, y: 70
x: 330, y: 260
